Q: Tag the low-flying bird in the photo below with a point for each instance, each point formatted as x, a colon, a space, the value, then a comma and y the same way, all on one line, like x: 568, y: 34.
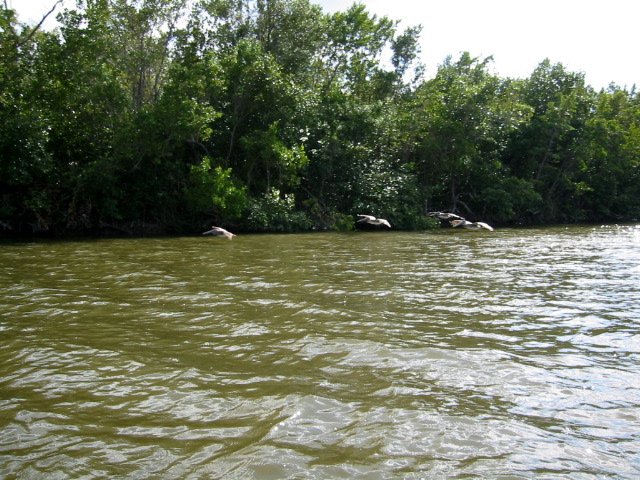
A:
x: 373, y: 220
x: 219, y: 232
x: 471, y: 225
x: 445, y: 216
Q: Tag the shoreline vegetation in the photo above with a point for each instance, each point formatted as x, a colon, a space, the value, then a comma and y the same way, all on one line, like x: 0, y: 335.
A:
x: 139, y: 117
x: 147, y: 230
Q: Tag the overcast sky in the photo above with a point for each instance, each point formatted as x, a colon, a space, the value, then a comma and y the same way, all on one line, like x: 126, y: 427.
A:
x: 596, y: 37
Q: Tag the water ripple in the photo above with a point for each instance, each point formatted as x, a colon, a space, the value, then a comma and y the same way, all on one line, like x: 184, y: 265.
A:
x: 436, y: 355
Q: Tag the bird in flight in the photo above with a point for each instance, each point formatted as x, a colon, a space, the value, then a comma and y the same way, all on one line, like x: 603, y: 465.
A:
x: 471, y: 225
x: 373, y: 220
x: 445, y: 216
x: 219, y: 232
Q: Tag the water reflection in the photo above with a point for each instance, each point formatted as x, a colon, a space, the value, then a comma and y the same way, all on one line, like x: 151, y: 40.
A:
x: 445, y: 354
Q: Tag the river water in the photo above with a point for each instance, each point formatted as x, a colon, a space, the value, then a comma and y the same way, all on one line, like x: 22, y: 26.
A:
x: 512, y: 354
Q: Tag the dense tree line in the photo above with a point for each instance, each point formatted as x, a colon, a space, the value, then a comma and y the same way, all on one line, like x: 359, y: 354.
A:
x: 271, y: 115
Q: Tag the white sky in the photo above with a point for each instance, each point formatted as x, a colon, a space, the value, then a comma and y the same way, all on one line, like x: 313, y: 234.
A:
x: 596, y: 37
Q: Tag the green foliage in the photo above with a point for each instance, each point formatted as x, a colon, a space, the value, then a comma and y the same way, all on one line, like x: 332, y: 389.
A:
x: 116, y: 118
x: 277, y: 212
x: 215, y: 191
x: 281, y: 166
x: 342, y: 222
x: 610, y: 174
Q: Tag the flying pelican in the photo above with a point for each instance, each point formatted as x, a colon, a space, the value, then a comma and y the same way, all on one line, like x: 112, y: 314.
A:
x: 219, y: 232
x: 373, y: 220
x: 445, y: 216
x: 471, y: 225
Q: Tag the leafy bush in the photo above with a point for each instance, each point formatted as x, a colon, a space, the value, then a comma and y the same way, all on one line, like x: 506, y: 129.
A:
x: 276, y: 213
x: 215, y: 191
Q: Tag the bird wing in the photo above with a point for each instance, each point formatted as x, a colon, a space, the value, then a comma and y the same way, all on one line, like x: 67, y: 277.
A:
x: 485, y: 226
x: 219, y: 231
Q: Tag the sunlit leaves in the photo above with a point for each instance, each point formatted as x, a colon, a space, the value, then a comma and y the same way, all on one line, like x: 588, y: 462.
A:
x: 215, y: 190
x: 612, y: 170
x: 270, y: 113
x: 277, y: 212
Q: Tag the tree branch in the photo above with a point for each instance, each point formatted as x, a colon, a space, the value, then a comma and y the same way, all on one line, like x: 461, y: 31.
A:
x: 37, y: 27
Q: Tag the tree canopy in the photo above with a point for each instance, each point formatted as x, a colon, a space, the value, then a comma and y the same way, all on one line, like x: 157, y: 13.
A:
x: 151, y: 116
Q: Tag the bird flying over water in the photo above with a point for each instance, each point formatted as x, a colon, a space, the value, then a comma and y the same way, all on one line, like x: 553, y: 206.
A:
x: 445, y: 216
x: 373, y: 220
x: 219, y: 232
x: 471, y: 225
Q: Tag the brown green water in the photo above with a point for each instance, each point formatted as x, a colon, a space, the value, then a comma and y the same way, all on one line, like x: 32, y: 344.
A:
x: 512, y: 354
